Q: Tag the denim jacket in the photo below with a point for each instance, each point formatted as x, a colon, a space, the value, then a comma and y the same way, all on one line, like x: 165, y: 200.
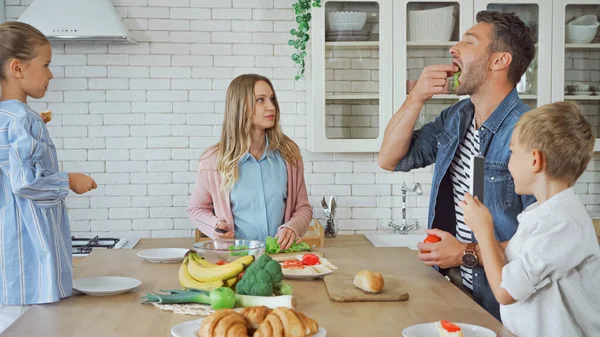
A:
x: 437, y: 142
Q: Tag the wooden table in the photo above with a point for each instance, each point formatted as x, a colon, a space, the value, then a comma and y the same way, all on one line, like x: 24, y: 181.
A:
x: 432, y: 297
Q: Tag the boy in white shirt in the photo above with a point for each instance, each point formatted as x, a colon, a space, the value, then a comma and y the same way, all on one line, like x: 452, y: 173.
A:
x: 548, y: 280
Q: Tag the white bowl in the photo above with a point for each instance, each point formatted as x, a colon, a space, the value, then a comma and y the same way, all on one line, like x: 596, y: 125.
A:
x: 581, y: 33
x: 435, y: 24
x: 585, y: 20
x: 347, y: 20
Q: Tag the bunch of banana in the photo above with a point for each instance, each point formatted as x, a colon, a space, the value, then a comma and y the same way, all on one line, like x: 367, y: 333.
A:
x: 197, y: 273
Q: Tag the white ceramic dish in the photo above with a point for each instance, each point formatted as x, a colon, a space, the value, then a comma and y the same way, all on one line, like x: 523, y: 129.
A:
x: 309, y: 272
x: 190, y: 329
x: 347, y: 20
x: 436, y: 24
x: 429, y: 330
x: 583, y: 29
x: 163, y: 255
x: 105, y: 285
x: 582, y: 93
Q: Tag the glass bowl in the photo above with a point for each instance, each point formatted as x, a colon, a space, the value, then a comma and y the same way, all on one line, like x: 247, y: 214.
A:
x: 228, y: 250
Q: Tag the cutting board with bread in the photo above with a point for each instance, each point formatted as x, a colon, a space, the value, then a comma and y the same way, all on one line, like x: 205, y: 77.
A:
x: 365, y: 286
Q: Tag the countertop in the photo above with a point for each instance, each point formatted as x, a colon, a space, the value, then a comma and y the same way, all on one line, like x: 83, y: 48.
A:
x: 432, y: 297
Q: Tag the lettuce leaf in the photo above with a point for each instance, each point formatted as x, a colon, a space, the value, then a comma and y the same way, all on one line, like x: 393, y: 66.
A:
x: 272, y: 247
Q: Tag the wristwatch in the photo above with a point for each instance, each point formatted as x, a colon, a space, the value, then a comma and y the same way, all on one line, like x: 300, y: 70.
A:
x: 469, y: 258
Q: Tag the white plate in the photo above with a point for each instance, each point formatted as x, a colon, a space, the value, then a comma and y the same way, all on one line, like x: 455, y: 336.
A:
x: 163, y: 255
x: 429, y: 330
x: 583, y: 93
x: 190, y: 329
x: 309, y: 272
x: 105, y: 285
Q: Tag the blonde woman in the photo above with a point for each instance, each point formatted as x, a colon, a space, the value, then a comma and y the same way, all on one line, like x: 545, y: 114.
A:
x: 250, y: 185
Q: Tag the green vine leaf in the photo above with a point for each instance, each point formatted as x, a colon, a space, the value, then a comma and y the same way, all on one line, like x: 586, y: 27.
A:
x: 300, y: 35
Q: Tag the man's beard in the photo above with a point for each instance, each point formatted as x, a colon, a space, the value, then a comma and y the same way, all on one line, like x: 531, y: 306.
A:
x: 472, y: 80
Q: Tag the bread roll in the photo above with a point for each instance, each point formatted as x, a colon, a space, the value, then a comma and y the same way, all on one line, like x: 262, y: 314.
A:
x: 369, y: 281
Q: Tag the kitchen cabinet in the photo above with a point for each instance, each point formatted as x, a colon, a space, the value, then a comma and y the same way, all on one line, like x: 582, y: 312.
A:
x: 358, y: 78
x: 576, y: 60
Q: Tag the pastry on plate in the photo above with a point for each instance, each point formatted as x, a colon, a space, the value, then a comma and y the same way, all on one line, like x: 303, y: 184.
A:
x: 448, y: 329
x: 223, y: 323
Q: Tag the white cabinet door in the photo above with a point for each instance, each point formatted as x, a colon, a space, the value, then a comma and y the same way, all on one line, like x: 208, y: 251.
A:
x: 350, y: 83
x: 576, y: 57
x: 535, y: 88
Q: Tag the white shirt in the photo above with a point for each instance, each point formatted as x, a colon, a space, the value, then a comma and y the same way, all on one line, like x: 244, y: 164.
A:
x: 553, y: 271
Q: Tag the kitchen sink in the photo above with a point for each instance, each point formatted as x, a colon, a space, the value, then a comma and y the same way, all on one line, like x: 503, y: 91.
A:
x: 391, y: 239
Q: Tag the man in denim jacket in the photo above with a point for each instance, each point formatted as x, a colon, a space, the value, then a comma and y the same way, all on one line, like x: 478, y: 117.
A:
x: 492, y: 57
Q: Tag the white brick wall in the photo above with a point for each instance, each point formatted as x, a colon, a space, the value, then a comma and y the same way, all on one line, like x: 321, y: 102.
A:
x: 138, y: 117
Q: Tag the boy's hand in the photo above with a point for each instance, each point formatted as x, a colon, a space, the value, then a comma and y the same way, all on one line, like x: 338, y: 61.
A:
x: 80, y: 183
x: 476, y: 215
x: 46, y: 116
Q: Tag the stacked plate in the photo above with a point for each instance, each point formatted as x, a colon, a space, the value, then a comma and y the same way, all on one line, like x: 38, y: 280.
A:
x: 347, y: 35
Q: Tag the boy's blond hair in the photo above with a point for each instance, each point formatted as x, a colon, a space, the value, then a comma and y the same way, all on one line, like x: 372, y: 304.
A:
x: 561, y: 133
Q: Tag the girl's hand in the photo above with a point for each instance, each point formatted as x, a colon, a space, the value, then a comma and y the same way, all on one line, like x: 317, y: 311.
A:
x: 285, y: 238
x: 80, y: 183
x: 225, y: 226
x: 476, y: 215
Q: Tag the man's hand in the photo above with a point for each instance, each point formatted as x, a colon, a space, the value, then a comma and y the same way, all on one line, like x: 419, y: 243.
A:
x: 80, y: 183
x: 445, y: 254
x: 285, y: 238
x: 476, y: 215
x: 432, y: 81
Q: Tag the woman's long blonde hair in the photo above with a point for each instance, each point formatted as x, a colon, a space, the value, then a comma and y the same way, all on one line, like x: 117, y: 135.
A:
x: 237, y: 124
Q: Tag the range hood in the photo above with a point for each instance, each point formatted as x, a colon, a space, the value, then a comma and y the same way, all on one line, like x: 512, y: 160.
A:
x: 78, y: 20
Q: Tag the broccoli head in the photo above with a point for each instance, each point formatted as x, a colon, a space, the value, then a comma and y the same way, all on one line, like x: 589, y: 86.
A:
x: 261, y: 278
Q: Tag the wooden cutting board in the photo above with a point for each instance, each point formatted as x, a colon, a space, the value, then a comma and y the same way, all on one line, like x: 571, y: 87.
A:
x: 341, y: 289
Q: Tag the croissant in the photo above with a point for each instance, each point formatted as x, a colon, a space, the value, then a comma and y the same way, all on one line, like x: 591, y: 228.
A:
x: 223, y: 323
x: 284, y: 322
x: 255, y: 316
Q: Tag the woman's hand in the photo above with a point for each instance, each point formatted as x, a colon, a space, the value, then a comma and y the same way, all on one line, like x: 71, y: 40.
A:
x: 285, y: 238
x: 80, y: 183
x: 225, y: 226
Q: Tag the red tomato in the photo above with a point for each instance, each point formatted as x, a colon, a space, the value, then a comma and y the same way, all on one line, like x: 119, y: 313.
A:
x: 292, y: 264
x: 449, y: 326
x: 310, y: 260
x: 430, y: 239
x: 221, y: 262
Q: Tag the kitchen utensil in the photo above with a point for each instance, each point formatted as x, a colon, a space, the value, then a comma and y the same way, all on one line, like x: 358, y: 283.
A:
x: 190, y: 329
x: 582, y: 29
x: 342, y: 289
x: 429, y: 329
x: 105, y: 285
x: 163, y: 255
x: 347, y: 20
x: 309, y: 272
x: 228, y: 249
x: 436, y: 24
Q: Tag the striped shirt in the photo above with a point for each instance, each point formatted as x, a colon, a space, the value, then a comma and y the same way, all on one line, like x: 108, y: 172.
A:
x: 460, y: 173
x: 35, y: 243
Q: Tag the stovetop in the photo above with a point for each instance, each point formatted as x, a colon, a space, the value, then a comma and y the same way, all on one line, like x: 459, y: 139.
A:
x: 84, y: 246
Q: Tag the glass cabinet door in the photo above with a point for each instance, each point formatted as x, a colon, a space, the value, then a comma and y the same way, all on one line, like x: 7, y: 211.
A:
x: 576, y: 52
x: 424, y: 36
x: 351, y: 70
x: 535, y: 85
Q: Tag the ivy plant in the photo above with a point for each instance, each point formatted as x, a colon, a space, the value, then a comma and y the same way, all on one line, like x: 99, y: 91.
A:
x: 300, y: 35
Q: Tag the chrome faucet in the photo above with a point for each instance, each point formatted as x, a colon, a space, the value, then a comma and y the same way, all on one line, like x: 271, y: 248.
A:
x: 404, y: 228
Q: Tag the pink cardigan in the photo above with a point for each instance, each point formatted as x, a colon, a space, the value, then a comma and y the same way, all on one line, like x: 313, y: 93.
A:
x: 207, y: 196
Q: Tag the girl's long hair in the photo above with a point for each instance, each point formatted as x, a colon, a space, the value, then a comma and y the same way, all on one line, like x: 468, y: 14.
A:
x: 237, y: 124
